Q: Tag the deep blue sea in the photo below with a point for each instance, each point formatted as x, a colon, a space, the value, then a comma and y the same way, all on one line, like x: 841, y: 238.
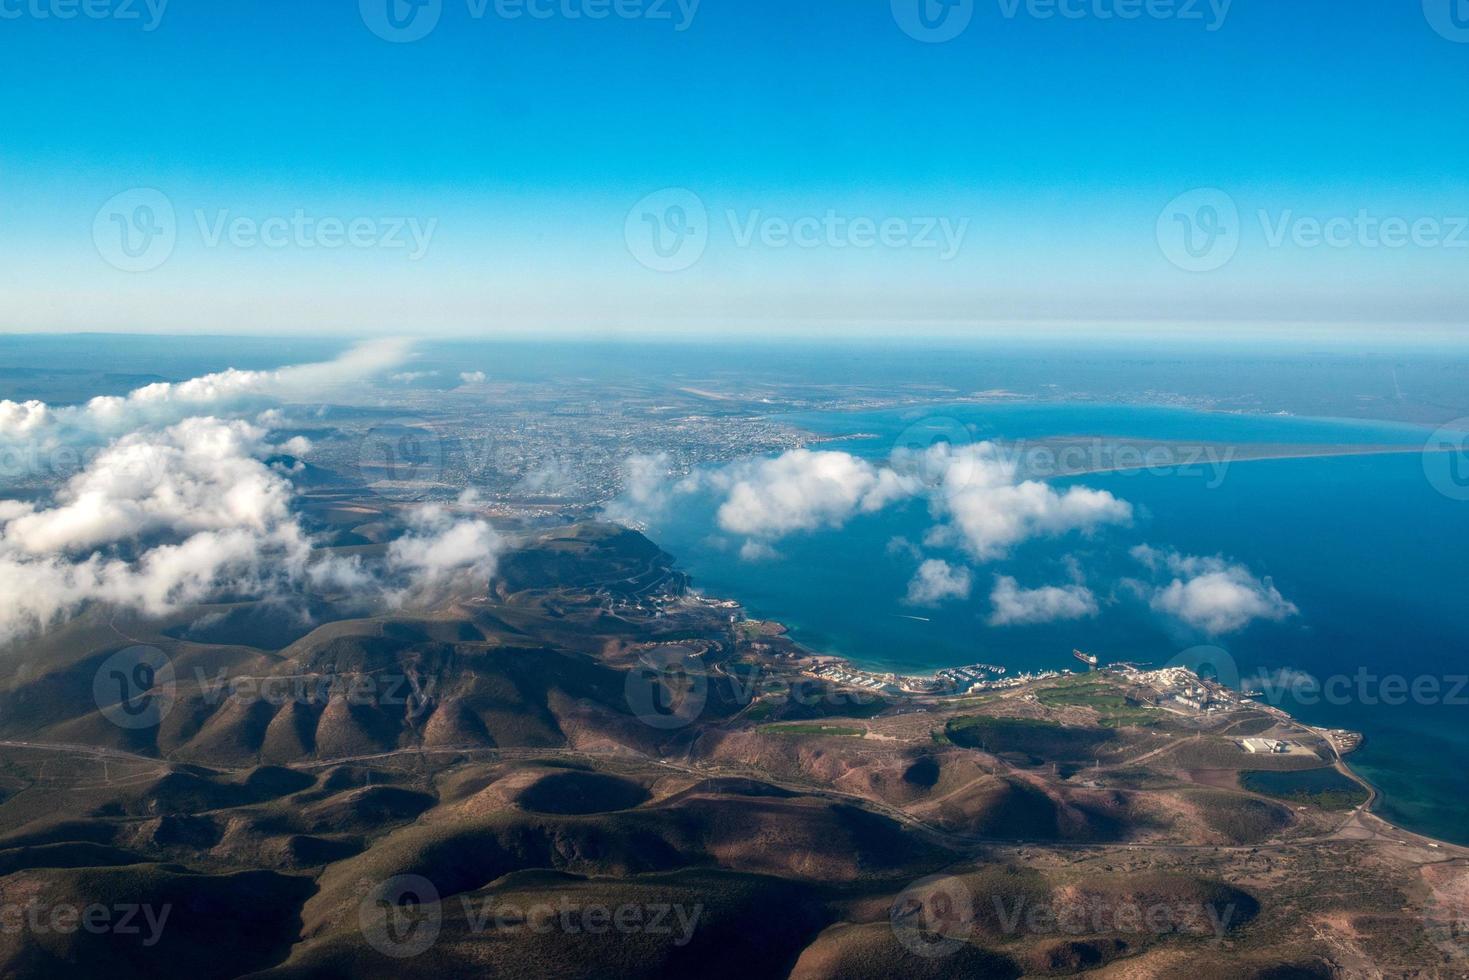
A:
x: 1366, y: 547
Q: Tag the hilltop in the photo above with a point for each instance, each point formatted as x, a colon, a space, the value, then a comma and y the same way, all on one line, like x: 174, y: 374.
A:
x: 590, y: 730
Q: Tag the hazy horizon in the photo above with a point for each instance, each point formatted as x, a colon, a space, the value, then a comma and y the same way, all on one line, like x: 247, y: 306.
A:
x: 1026, y: 162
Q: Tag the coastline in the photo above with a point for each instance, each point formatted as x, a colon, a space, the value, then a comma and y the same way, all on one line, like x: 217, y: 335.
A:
x: 1018, y: 398
x: 902, y: 648
x: 1326, y: 452
x: 1362, y: 822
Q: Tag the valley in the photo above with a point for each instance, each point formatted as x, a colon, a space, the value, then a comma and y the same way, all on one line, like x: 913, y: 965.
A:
x: 589, y: 731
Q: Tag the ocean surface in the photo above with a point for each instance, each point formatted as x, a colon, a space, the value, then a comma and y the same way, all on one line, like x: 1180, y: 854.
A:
x: 1367, y: 548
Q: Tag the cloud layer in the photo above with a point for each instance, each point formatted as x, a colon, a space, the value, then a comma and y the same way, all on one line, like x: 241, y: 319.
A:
x: 178, y: 511
x: 803, y: 490
x: 937, y: 581
x: 1014, y: 606
x: 155, y: 521
x: 981, y: 507
x: 441, y: 549
x: 1212, y: 594
x: 167, y: 402
x: 981, y: 504
x: 646, y: 490
x: 991, y: 510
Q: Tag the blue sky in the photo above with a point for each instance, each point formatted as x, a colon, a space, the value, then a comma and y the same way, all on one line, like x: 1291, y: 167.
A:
x: 845, y: 175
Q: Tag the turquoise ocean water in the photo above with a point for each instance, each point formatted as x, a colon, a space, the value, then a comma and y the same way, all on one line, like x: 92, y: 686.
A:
x: 1366, y: 547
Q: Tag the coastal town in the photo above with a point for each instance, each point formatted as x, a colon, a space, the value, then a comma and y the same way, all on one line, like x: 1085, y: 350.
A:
x: 971, y: 679
x: 1180, y: 690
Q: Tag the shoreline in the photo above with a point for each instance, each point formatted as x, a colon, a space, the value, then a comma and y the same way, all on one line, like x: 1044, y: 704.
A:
x: 1367, y: 810
x: 822, y: 646
x: 1330, y: 452
x: 1016, y: 398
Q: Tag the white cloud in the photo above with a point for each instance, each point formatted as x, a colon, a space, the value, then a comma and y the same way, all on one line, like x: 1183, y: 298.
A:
x: 165, y: 403
x: 974, y: 492
x: 306, y: 381
x: 757, y: 551
x: 11, y: 509
x: 179, y: 510
x: 1284, y: 681
x: 1212, y: 594
x: 1014, y: 606
x: 552, y: 477
x: 155, y: 521
x: 646, y: 490
x: 901, y: 547
x: 435, y: 553
x: 199, y: 475
x: 162, y: 520
x: 295, y: 446
x: 937, y: 581
x: 990, y: 512
x: 443, y: 549
x: 23, y: 418
x: 803, y: 490
x: 473, y: 377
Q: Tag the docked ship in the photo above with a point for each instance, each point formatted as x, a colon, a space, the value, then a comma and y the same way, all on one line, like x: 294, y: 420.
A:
x: 1087, y: 658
